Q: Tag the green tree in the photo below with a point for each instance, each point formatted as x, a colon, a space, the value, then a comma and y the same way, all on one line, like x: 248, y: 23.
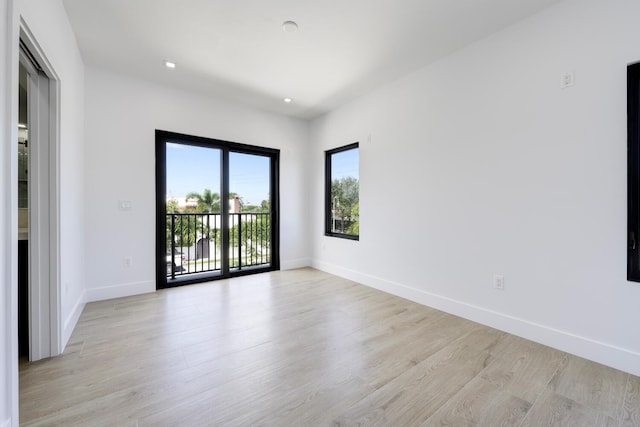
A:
x: 264, y: 206
x: 354, y: 228
x: 184, y: 230
x: 346, y: 204
x: 253, y: 241
x: 183, y: 233
x: 208, y: 201
x: 187, y: 228
x: 172, y: 206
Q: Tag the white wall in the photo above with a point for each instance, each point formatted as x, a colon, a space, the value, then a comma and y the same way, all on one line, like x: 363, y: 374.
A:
x: 122, y: 116
x: 48, y: 23
x: 503, y: 172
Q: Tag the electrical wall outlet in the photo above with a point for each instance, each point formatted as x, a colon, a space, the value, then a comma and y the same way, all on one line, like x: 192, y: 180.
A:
x: 127, y: 261
x: 498, y: 282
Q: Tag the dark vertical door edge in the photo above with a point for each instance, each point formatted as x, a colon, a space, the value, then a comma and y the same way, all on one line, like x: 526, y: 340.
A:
x: 161, y: 229
x: 633, y: 172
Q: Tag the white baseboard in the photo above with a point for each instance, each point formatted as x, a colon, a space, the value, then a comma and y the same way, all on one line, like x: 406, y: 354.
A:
x: 292, y: 264
x: 71, y: 320
x: 613, y: 356
x: 119, y: 291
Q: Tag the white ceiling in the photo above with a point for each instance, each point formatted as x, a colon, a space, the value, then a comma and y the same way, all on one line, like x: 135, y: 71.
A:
x: 236, y: 49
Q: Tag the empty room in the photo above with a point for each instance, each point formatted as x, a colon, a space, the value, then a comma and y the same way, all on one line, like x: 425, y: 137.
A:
x: 305, y: 213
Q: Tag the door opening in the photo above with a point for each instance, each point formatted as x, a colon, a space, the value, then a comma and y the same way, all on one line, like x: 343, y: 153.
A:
x: 23, y: 212
x: 38, y: 256
x: 216, y: 209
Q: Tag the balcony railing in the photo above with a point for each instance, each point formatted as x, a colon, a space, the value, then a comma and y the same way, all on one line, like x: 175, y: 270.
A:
x: 194, y: 242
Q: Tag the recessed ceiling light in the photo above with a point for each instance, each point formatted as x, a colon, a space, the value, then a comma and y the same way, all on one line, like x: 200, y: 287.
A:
x: 21, y: 126
x: 169, y: 64
x: 288, y: 100
x: 289, y: 27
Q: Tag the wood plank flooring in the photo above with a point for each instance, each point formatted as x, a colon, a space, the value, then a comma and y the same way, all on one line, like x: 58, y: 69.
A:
x: 305, y: 348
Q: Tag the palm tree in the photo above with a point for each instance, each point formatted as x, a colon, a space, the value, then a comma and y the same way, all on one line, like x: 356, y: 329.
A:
x: 208, y: 201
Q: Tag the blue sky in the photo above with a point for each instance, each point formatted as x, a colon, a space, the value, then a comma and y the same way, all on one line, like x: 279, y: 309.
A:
x: 191, y: 168
x: 249, y: 177
x: 345, y: 163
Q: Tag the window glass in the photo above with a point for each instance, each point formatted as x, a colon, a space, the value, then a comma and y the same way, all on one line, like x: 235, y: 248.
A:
x: 342, y: 187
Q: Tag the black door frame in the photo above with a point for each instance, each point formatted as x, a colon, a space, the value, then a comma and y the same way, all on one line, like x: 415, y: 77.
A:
x: 226, y: 147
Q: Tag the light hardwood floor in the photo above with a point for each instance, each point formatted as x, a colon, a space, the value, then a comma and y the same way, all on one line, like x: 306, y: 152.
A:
x: 304, y: 348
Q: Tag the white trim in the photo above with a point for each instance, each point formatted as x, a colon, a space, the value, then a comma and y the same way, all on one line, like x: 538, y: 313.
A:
x: 72, y: 319
x: 292, y: 264
x: 607, y: 354
x: 9, y: 212
x: 119, y: 291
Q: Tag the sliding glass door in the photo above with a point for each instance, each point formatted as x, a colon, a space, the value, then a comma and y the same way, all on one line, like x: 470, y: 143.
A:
x: 216, y: 209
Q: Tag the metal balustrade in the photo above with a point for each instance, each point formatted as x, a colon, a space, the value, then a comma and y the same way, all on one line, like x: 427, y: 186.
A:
x: 194, y: 242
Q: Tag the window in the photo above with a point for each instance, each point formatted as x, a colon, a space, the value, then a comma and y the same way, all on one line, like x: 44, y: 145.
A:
x: 342, y: 192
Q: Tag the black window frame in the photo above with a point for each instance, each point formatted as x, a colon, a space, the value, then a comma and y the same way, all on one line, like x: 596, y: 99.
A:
x: 633, y: 172
x: 327, y: 191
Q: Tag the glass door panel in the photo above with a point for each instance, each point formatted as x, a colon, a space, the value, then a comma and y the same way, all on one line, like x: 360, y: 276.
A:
x: 193, y: 209
x: 249, y: 211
